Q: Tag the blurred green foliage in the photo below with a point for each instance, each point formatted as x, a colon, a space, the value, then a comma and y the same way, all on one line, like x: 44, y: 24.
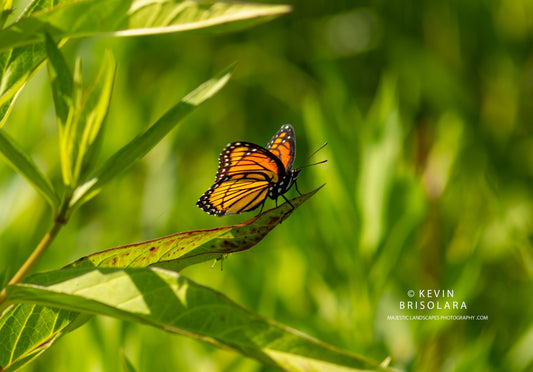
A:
x: 426, y: 107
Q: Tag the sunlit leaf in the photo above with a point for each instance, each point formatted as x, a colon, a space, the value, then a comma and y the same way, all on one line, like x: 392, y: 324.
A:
x: 66, y: 102
x: 175, y: 251
x: 95, y: 106
x: 16, y: 68
x: 164, y: 299
x: 68, y: 19
x: 6, y: 7
x: 80, y: 112
x: 22, y: 44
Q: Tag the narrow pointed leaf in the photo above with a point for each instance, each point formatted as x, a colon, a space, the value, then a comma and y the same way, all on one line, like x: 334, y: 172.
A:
x: 143, y: 143
x: 65, y: 104
x: 127, y: 366
x: 22, y: 163
x: 165, y: 299
x: 94, y: 110
x: 180, y: 250
x: 16, y: 67
x: 61, y: 81
x: 22, y: 49
x: 68, y: 19
x: 6, y: 7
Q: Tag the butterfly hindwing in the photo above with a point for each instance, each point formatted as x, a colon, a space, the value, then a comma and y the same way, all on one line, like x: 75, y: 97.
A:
x: 235, y: 195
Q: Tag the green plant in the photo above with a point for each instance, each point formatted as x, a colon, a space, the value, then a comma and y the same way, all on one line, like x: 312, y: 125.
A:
x: 138, y: 282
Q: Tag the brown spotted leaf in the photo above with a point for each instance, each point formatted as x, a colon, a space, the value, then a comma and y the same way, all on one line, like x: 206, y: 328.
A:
x: 180, y: 250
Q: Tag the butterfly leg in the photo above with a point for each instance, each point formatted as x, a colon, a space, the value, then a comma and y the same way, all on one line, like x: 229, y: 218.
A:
x: 289, y: 212
x: 296, y: 186
x: 288, y: 201
x: 262, y: 206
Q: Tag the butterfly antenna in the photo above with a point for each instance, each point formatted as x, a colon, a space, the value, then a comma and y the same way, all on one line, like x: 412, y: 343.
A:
x: 310, y: 156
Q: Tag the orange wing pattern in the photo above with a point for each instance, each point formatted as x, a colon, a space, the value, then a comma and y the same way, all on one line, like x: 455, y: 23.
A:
x: 283, y: 145
x: 234, y: 195
x: 243, y: 157
x: 248, y: 173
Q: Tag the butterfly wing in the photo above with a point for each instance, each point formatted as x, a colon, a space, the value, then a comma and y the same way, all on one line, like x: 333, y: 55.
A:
x: 244, y: 157
x: 245, y: 174
x: 236, y: 194
x: 283, y: 146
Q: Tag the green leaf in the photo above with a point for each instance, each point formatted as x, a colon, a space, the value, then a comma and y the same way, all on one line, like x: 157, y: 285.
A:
x: 26, y: 330
x: 61, y: 81
x: 143, y: 143
x: 95, y: 107
x: 16, y: 68
x: 22, y: 48
x: 127, y: 366
x: 180, y: 250
x: 22, y: 163
x: 69, y: 19
x: 167, y: 300
x: 174, y: 251
x: 80, y: 113
x: 6, y: 8
x: 67, y: 93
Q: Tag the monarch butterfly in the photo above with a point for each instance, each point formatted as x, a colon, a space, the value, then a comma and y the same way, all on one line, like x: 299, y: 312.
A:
x: 248, y: 173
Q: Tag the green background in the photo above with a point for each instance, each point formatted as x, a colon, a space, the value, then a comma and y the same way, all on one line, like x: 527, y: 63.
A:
x: 426, y: 107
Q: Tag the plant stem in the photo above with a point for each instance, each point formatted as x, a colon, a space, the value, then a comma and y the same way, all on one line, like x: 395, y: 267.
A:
x: 34, y: 257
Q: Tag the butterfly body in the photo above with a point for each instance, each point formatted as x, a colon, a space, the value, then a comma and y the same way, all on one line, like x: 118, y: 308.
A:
x: 249, y: 173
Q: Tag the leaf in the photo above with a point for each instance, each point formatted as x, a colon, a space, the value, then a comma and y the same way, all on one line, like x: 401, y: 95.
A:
x: 26, y: 330
x: 165, y: 299
x: 85, y: 18
x: 67, y: 93
x: 94, y: 111
x: 61, y: 81
x: 80, y: 113
x: 127, y: 366
x: 176, y: 251
x: 6, y: 7
x: 180, y: 250
x: 22, y: 48
x: 16, y: 68
x: 143, y: 143
x: 22, y: 163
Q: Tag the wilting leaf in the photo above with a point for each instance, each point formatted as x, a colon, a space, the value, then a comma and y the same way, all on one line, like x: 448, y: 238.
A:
x: 180, y: 250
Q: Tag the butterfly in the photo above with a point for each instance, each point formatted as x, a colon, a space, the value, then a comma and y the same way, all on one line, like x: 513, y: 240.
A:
x: 248, y: 174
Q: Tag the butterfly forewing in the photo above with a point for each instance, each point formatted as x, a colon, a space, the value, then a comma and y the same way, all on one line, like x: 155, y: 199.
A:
x: 243, y: 157
x: 283, y: 145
